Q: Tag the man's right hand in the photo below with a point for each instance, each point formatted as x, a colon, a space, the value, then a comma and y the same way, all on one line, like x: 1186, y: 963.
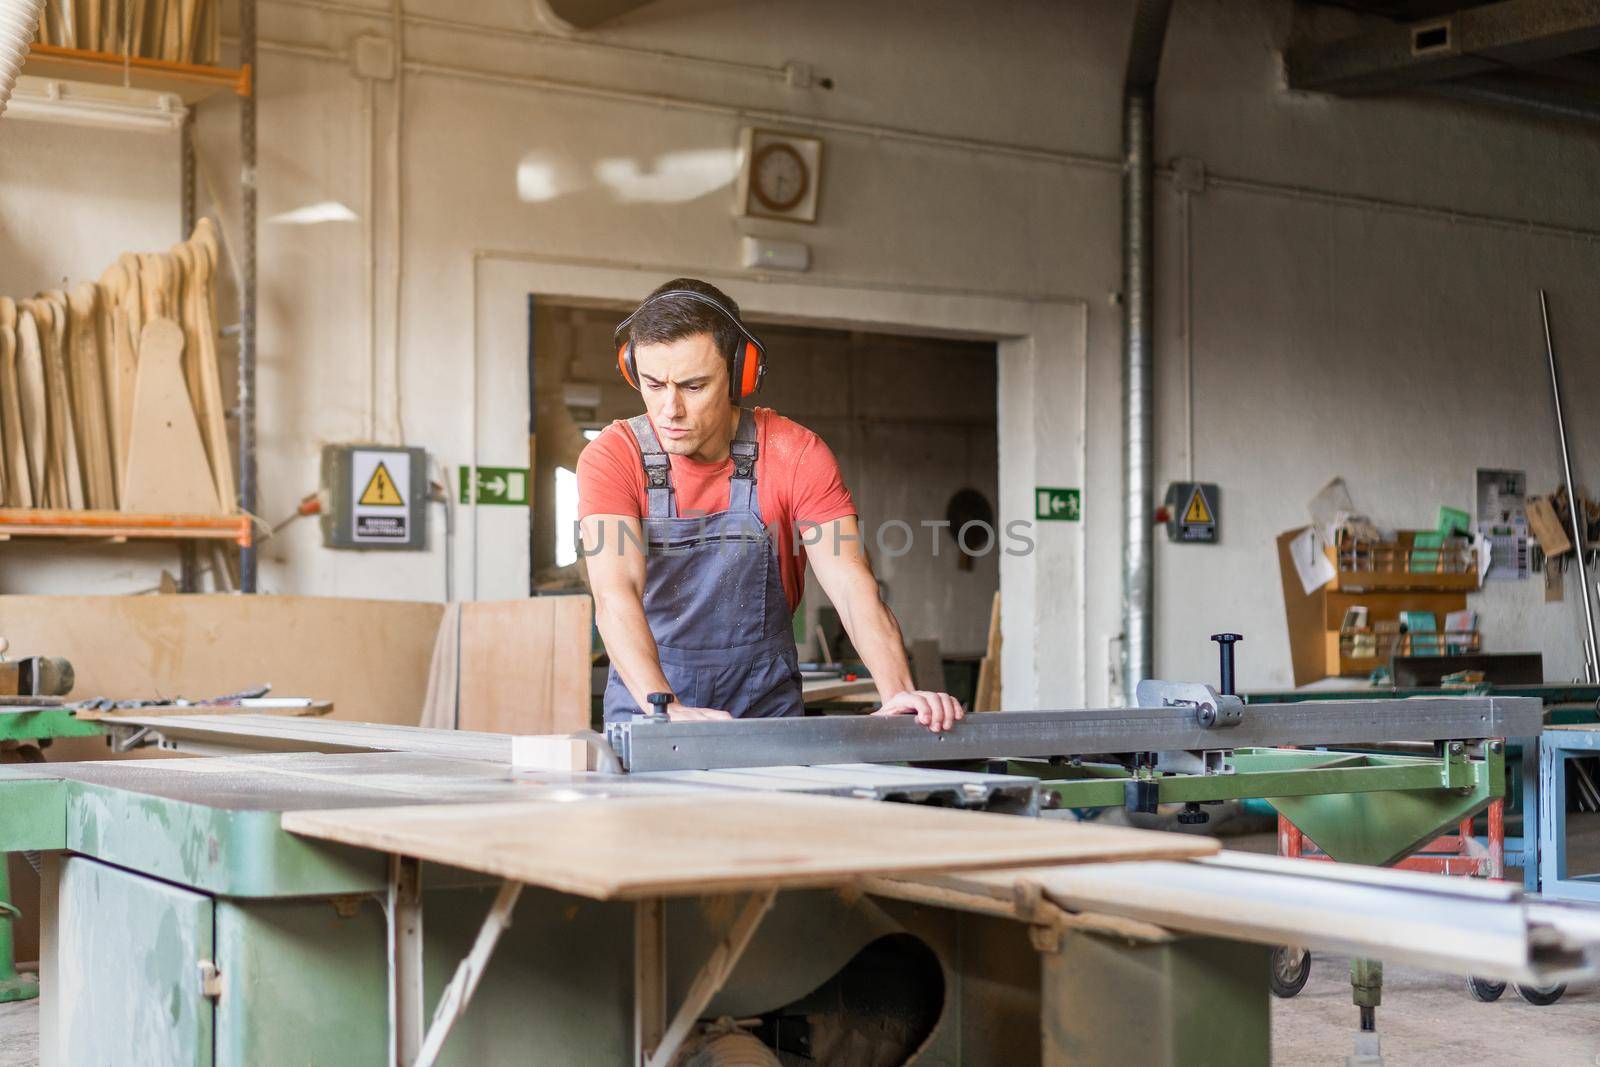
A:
x: 681, y: 713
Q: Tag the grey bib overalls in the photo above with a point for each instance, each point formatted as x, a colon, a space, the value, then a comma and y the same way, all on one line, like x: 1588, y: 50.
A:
x: 714, y: 594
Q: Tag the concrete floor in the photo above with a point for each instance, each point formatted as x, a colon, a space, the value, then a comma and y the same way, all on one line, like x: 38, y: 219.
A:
x: 19, y: 1034
x: 1425, y: 1018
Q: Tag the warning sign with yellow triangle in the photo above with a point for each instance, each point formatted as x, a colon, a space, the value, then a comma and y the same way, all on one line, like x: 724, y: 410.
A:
x: 1192, y: 512
x: 380, y: 491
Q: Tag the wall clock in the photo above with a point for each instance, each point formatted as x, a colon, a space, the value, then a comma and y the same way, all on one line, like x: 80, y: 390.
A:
x: 780, y: 176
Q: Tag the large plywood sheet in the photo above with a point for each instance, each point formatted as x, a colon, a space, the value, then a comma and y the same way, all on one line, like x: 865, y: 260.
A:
x: 725, y: 842
x: 369, y: 657
x: 524, y: 665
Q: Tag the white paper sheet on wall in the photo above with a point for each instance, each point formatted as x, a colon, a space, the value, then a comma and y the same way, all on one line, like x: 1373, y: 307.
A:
x: 1311, y: 562
x: 1485, y: 554
x: 1330, y: 507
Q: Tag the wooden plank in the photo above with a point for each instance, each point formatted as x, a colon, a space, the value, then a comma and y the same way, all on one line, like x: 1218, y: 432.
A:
x: 19, y: 487
x: 1308, y: 654
x: 524, y: 665
x: 63, y: 479
x: 31, y: 400
x: 167, y: 469
x: 200, y: 313
x: 107, y: 296
x: 111, y: 16
x: 181, y: 259
x: 88, y: 397
x: 123, y: 284
x: 551, y: 752
x: 172, y: 31
x: 368, y: 657
x: 188, y: 15
x: 158, y: 711
x: 440, y: 704
x: 986, y: 696
x: 821, y: 690
x: 89, y: 23
x: 633, y: 848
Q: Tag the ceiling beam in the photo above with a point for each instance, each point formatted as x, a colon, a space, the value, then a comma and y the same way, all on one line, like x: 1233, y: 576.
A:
x: 1512, y: 89
x: 1479, y: 39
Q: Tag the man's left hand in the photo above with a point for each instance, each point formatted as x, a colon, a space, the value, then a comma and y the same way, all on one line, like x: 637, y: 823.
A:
x: 936, y: 711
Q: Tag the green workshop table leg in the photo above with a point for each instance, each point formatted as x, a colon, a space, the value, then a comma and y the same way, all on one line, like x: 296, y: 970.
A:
x: 13, y: 986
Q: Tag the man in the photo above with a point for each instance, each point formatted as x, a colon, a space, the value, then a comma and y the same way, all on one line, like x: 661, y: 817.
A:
x: 694, y: 518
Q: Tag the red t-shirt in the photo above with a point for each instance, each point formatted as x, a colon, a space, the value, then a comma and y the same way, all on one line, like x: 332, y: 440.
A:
x: 797, y: 481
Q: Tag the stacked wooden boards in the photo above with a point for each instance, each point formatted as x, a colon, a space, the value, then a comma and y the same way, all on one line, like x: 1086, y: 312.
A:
x: 111, y: 394
x: 179, y: 31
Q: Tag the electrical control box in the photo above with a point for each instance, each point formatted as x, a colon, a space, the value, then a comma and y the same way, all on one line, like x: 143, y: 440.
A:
x: 1194, y: 513
x: 375, y: 497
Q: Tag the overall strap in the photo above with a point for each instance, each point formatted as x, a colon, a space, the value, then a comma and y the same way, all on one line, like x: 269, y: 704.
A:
x: 743, y: 450
x: 662, y: 501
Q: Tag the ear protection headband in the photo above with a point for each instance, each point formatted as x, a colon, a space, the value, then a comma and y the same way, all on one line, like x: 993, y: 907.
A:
x: 747, y: 366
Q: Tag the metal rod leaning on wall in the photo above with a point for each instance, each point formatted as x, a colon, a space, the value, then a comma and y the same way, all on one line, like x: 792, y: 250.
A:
x: 1591, y: 667
x: 247, y: 293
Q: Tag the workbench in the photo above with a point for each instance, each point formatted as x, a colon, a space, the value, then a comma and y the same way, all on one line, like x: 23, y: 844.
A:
x: 319, y: 898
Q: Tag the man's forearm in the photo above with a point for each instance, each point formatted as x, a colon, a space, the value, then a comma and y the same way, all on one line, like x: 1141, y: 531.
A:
x: 876, y: 635
x: 631, y: 646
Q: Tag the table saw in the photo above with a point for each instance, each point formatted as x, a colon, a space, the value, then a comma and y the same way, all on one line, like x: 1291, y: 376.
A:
x: 357, y: 893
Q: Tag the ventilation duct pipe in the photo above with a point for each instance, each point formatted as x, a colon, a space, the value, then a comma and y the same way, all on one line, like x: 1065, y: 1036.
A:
x: 1138, y: 299
x: 19, y: 20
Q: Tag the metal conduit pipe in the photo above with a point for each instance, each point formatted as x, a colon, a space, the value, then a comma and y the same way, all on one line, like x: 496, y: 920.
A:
x: 1138, y: 415
x: 19, y: 20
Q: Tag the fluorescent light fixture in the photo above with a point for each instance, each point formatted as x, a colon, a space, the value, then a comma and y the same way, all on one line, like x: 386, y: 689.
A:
x: 104, y: 106
x: 311, y: 214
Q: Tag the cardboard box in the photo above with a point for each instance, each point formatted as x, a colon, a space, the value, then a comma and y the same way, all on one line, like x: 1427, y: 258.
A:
x: 1547, y: 526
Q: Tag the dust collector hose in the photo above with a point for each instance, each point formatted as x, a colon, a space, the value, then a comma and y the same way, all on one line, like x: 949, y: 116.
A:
x: 19, y: 20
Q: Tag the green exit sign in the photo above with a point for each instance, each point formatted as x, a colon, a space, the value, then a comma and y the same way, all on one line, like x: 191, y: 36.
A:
x: 496, y: 485
x: 1057, y: 505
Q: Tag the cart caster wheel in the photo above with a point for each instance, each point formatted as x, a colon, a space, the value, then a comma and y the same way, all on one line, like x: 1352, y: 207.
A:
x: 1291, y: 968
x: 1542, y: 995
x: 1485, y: 989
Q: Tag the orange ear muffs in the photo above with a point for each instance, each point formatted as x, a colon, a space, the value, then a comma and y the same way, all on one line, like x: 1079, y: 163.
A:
x: 625, y: 365
x: 746, y: 369
x: 752, y: 368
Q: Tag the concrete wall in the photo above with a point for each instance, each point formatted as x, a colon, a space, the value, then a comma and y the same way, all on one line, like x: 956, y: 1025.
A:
x: 1363, y: 272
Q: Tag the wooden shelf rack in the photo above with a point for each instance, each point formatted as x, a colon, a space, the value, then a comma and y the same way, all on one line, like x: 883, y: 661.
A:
x: 188, y: 80
x: 121, y: 526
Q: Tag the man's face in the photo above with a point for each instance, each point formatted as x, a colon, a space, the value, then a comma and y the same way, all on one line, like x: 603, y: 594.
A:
x: 685, y: 388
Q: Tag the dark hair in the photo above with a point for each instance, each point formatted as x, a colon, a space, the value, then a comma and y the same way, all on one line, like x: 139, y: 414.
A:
x: 675, y: 317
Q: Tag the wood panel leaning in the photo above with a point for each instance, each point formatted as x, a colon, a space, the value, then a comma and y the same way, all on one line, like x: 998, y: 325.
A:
x: 111, y: 392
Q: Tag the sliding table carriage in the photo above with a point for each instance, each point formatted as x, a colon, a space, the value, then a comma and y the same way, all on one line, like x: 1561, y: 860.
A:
x: 1369, y: 781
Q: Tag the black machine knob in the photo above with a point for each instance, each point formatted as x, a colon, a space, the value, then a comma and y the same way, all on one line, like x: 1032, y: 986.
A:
x: 1191, y: 815
x: 1225, y: 643
x: 658, y: 704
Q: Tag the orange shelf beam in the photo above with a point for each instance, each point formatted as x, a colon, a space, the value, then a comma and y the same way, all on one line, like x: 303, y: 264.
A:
x: 189, y: 80
x: 124, y: 526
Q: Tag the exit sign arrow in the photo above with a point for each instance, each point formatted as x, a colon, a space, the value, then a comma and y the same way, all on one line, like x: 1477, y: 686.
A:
x: 1057, y: 505
x: 495, y: 485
